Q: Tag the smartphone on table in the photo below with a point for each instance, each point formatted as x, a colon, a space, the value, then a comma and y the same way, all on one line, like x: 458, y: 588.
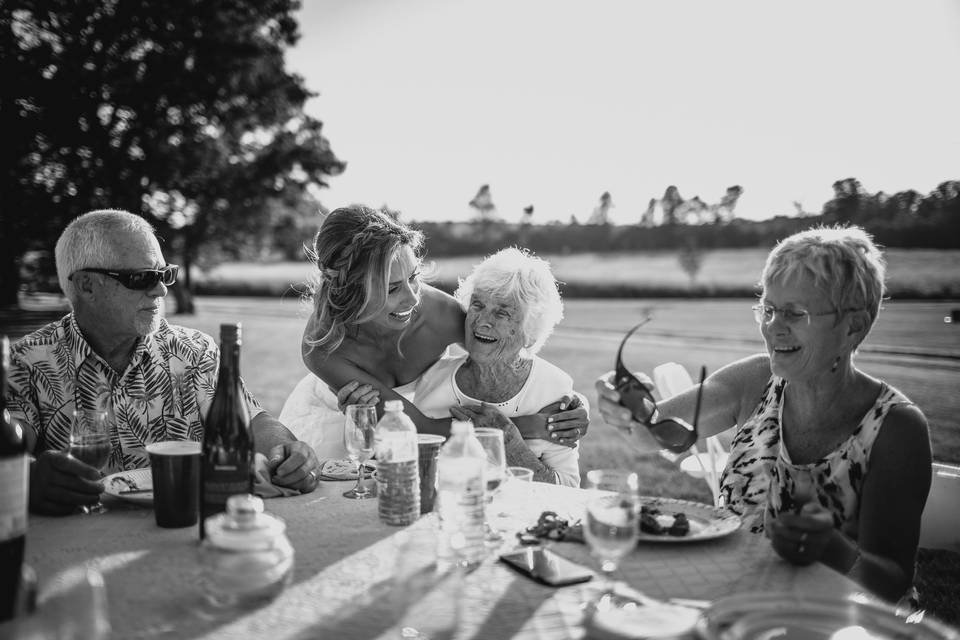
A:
x: 547, y: 567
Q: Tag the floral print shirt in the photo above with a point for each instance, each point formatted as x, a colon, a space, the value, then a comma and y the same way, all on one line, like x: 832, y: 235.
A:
x: 163, y: 394
x: 760, y: 475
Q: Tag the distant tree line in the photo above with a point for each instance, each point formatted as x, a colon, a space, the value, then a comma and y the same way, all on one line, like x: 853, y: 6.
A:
x: 905, y: 219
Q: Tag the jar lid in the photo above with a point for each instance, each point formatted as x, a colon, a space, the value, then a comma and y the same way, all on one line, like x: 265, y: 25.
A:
x: 244, y: 526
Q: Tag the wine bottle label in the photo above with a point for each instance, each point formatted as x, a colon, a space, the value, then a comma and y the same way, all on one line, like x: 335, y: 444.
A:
x: 220, y: 483
x: 14, y: 476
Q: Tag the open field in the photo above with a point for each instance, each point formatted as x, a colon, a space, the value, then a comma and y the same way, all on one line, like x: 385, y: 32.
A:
x: 912, y: 272
x: 911, y: 347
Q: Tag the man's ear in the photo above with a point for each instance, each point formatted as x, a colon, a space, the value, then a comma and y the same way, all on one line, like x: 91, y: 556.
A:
x: 83, y: 283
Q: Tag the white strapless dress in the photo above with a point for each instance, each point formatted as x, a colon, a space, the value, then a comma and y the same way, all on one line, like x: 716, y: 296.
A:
x: 311, y: 414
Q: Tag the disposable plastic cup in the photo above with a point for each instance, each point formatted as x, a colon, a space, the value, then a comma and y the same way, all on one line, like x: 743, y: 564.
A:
x: 175, y: 470
x: 428, y: 446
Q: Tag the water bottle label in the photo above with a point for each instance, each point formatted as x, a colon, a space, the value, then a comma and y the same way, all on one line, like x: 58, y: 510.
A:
x: 396, y: 447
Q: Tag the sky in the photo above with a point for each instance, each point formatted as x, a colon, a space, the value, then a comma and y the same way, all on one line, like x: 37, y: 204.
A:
x: 553, y: 102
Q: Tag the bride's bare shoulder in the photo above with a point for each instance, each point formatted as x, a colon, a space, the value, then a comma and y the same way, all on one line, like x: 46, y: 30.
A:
x: 441, y: 311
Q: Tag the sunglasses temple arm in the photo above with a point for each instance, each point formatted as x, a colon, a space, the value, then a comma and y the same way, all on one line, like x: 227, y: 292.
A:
x: 696, y: 411
x: 627, y: 337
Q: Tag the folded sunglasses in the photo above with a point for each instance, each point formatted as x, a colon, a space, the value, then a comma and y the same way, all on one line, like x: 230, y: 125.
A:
x: 674, y: 434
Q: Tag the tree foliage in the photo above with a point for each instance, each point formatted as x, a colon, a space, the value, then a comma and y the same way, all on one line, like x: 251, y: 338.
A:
x: 180, y: 111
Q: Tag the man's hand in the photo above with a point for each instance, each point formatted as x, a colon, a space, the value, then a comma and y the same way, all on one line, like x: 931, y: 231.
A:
x: 355, y: 392
x: 294, y: 465
x: 59, y: 484
x: 567, y: 420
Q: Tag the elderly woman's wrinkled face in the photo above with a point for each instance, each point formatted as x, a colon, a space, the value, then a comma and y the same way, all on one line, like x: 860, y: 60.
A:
x: 800, y: 349
x: 493, y: 328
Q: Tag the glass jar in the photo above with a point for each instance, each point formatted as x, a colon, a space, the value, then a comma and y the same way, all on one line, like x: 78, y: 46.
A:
x: 246, y: 557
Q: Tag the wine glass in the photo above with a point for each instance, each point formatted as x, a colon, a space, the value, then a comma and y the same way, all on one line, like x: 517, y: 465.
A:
x: 612, y: 523
x: 358, y: 431
x: 90, y: 444
x: 492, y: 442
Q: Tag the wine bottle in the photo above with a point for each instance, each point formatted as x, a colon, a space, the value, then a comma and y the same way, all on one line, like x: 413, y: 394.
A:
x: 13, y: 495
x: 227, y: 461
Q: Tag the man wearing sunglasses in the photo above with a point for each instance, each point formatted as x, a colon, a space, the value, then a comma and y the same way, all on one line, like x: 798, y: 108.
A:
x: 115, y: 351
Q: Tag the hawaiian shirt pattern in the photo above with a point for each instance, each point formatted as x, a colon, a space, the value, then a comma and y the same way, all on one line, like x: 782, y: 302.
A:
x: 163, y: 394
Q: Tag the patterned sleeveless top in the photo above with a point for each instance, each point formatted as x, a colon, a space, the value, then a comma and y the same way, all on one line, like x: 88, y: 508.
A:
x: 760, y: 475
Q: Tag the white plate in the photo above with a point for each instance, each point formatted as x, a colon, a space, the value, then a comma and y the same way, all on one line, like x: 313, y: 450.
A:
x: 116, y: 483
x: 706, y: 521
x: 752, y: 616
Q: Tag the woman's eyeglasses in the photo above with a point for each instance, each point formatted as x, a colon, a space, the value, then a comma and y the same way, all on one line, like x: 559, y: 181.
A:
x: 764, y: 313
x: 674, y: 434
x: 139, y: 279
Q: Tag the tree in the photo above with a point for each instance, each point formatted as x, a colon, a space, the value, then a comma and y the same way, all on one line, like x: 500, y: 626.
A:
x: 182, y: 112
x: 482, y: 203
x: 601, y: 213
x: 849, y: 203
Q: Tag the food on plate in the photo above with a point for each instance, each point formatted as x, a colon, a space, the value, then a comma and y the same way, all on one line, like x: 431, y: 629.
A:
x: 658, y: 523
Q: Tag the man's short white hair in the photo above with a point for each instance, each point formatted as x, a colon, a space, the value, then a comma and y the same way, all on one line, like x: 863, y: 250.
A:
x: 88, y: 242
x: 517, y: 275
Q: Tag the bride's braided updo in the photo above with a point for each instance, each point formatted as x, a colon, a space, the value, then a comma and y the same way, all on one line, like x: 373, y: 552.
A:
x: 353, y: 251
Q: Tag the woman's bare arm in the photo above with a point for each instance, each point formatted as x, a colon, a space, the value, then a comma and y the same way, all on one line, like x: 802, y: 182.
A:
x: 729, y: 396
x: 891, y: 503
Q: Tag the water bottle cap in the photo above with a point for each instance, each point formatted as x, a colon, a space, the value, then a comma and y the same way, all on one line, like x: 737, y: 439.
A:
x: 393, y: 405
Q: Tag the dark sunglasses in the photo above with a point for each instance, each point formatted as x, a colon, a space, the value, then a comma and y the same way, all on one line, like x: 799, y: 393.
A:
x: 139, y: 279
x: 675, y: 434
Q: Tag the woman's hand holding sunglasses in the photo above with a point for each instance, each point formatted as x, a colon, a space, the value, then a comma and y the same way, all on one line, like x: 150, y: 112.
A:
x: 610, y: 407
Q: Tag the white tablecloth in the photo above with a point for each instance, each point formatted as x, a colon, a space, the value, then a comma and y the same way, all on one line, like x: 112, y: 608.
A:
x: 358, y: 578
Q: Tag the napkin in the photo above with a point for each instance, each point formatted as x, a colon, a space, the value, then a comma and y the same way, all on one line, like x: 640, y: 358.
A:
x: 343, y: 469
x: 262, y: 486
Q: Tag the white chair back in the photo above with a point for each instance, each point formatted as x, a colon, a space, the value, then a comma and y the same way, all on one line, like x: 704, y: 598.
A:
x: 940, y: 524
x: 670, y: 379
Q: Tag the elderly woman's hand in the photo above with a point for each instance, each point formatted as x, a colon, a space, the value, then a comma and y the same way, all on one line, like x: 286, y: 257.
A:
x: 483, y: 416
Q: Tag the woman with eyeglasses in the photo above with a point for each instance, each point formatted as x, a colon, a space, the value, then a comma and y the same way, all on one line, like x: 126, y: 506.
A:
x: 830, y: 462
x: 376, y: 327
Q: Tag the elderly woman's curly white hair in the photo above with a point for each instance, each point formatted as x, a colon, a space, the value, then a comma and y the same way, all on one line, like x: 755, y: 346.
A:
x: 517, y: 275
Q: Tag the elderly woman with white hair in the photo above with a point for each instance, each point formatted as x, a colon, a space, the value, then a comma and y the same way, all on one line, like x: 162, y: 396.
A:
x: 512, y: 306
x: 832, y: 463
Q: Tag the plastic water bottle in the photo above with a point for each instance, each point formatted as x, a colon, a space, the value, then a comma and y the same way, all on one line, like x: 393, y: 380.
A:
x: 460, y: 498
x: 398, y: 476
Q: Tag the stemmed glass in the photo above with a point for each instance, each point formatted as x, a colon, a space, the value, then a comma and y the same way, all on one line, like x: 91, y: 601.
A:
x: 90, y: 444
x: 358, y: 431
x: 612, y: 523
x: 492, y: 442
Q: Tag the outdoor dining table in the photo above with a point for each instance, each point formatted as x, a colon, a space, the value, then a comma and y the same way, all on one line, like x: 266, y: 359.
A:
x: 358, y: 578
